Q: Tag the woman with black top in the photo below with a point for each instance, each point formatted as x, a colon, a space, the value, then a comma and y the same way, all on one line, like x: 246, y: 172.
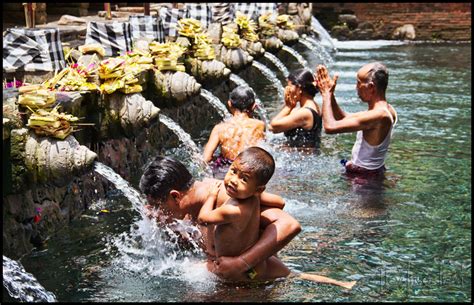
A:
x: 302, y: 125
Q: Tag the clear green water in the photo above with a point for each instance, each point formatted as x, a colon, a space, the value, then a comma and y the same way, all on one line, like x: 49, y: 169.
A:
x: 408, y: 239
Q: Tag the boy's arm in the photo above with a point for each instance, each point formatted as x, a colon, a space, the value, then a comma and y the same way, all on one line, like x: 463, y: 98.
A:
x: 272, y: 200
x: 212, y: 144
x: 223, y: 214
x: 280, y: 229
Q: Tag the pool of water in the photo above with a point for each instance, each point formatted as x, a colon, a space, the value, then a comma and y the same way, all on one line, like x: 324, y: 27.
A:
x: 405, y: 239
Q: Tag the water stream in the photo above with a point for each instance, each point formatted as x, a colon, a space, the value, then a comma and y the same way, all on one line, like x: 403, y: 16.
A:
x: 326, y: 39
x: 322, y: 52
x: 296, y: 55
x: 185, y: 138
x: 216, y: 103
x: 277, y: 62
x: 270, y: 75
x: 23, y: 286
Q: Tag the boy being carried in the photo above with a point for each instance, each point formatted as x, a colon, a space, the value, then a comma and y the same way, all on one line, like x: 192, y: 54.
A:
x: 237, y: 221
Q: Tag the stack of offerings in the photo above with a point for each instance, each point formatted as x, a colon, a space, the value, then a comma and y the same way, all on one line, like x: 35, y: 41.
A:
x: 268, y: 32
x: 51, y: 123
x: 168, y: 56
x: 247, y: 29
x: 36, y: 96
x: 286, y: 30
x: 75, y: 77
x: 122, y: 73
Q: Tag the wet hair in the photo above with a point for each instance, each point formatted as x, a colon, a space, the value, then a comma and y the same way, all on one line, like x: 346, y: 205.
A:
x: 164, y: 174
x: 258, y: 161
x: 242, y: 98
x: 378, y: 74
x: 304, y: 79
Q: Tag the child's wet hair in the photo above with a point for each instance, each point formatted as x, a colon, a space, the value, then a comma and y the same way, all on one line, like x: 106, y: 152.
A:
x: 258, y: 161
x: 242, y: 98
x: 164, y: 174
x: 305, y: 80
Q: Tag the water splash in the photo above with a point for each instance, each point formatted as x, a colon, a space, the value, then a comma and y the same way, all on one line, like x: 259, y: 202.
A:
x: 137, y: 199
x: 271, y: 77
x: 318, y: 49
x: 277, y: 63
x: 326, y: 39
x: 185, y: 138
x: 260, y: 108
x: 296, y: 55
x: 22, y: 285
x: 216, y: 103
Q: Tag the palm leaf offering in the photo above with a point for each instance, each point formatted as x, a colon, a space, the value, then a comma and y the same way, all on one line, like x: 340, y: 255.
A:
x: 36, y: 96
x: 189, y: 27
x: 51, y: 123
x: 202, y: 47
x: 266, y: 25
x: 230, y: 39
x: 284, y: 22
x: 247, y: 27
x: 73, y: 78
x: 168, y: 56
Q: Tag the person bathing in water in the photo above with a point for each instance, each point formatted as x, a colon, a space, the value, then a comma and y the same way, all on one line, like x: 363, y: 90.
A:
x: 374, y: 126
x: 237, y: 133
x: 169, y: 186
x: 301, y: 125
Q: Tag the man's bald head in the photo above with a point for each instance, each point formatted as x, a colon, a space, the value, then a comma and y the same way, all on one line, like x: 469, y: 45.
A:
x: 376, y: 73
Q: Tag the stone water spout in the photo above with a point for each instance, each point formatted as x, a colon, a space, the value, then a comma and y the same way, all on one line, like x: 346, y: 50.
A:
x: 131, y: 111
x: 50, y: 160
x: 207, y: 71
x: 175, y: 85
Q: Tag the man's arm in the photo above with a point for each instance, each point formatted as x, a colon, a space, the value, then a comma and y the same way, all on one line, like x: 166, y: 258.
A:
x: 272, y: 200
x: 279, y: 229
x: 212, y: 144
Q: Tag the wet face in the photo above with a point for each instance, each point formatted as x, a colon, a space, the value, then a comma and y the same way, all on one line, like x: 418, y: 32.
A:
x: 170, y: 206
x: 239, y: 182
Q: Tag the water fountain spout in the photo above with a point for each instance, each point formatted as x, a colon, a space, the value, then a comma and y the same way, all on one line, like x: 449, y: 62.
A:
x: 185, y: 138
x: 296, y: 55
x: 277, y: 62
x: 216, y: 103
x: 271, y: 77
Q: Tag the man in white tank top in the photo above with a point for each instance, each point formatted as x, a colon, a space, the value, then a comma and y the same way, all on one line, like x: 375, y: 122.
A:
x: 374, y: 126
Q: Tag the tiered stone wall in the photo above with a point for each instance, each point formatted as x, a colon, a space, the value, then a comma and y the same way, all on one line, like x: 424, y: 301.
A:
x: 432, y: 21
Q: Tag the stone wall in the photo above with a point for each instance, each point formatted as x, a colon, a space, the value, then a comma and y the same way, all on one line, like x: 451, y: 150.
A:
x: 127, y: 156
x: 431, y: 21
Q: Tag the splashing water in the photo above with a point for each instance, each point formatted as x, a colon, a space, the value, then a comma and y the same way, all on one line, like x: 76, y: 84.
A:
x: 296, y: 55
x: 216, y: 103
x: 184, y: 137
x: 22, y: 285
x: 153, y: 249
x: 239, y: 81
x: 137, y: 200
x: 320, y: 50
x: 326, y: 39
x: 277, y: 63
x: 271, y: 77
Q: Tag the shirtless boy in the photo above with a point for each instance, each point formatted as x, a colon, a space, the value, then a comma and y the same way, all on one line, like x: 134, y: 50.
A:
x: 237, y: 221
x: 237, y: 133
x: 170, y: 187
